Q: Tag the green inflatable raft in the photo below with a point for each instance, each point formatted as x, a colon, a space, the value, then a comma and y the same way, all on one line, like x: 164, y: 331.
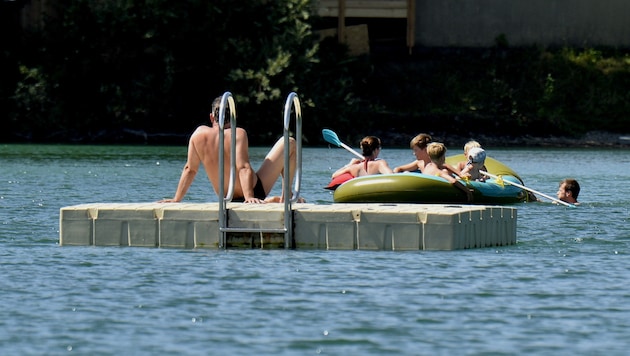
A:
x: 422, y: 188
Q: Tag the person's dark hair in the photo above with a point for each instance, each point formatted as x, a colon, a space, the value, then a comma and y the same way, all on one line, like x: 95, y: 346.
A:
x: 572, y: 186
x: 216, y: 105
x: 421, y: 140
x: 369, y: 144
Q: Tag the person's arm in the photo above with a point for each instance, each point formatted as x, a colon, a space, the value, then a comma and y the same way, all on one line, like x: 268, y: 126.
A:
x: 246, y: 174
x: 445, y: 173
x: 411, y: 166
x: 452, y: 169
x: 465, y: 172
x: 469, y: 193
x: 483, y: 177
x: 466, y: 169
x: 342, y: 170
x: 383, y: 167
x: 188, y: 174
x: 348, y: 168
x: 421, y: 165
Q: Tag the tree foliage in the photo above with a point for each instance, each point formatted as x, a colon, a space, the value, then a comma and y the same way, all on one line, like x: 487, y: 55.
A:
x: 98, y: 69
x: 155, y: 65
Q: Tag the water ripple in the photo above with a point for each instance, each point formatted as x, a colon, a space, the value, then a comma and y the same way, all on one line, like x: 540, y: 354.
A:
x: 562, y: 289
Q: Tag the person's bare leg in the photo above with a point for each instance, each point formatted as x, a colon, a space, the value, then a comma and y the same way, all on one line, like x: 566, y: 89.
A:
x: 273, y: 165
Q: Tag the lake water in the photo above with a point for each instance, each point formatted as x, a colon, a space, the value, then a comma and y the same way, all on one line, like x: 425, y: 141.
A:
x: 563, y: 289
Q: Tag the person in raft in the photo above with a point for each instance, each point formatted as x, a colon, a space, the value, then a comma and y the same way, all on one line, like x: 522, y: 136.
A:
x: 419, y: 146
x: 249, y: 186
x: 371, y: 147
x: 467, y: 147
x: 568, y: 191
x: 476, y: 159
x: 438, y: 167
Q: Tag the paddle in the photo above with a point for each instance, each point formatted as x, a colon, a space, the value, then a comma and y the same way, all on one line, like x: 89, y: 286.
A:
x: 331, y: 137
x: 528, y: 189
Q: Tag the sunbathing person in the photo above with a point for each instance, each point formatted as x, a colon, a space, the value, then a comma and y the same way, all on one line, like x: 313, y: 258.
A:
x: 250, y: 186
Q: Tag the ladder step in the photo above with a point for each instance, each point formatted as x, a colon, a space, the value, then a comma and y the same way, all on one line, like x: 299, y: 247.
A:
x: 252, y: 229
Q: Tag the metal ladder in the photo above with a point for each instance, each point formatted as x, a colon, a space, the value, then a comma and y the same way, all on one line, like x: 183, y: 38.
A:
x: 287, y: 229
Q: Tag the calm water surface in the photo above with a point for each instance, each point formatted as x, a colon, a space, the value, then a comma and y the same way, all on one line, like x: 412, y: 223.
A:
x: 562, y: 289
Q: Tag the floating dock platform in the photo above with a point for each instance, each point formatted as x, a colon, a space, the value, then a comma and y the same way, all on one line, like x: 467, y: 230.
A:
x: 401, y: 227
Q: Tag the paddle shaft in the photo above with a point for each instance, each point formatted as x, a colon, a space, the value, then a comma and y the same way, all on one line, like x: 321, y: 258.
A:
x: 331, y: 137
x: 360, y: 156
x: 528, y: 189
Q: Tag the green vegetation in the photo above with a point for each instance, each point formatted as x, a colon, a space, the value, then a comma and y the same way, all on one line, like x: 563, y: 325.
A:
x: 507, y: 91
x: 99, y: 69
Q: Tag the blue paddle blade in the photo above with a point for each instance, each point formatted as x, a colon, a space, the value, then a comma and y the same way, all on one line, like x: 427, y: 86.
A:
x: 331, y: 137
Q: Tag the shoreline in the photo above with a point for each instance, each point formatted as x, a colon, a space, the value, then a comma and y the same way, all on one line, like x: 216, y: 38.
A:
x: 593, y: 139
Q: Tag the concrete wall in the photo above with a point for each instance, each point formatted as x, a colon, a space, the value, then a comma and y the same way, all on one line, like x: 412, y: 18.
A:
x: 476, y: 23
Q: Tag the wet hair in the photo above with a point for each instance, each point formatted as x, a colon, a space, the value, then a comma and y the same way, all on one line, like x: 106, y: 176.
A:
x: 216, y: 106
x: 421, y: 140
x: 436, y: 150
x: 572, y: 186
x: 369, y: 144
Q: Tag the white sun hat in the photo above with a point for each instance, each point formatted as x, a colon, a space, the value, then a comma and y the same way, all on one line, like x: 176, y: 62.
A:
x: 476, y: 155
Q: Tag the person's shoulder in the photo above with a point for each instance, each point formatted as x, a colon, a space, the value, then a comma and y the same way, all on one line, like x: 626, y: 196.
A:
x: 241, y: 132
x: 202, y: 129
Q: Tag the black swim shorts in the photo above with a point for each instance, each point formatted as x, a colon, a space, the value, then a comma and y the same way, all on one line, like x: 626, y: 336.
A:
x: 259, y: 192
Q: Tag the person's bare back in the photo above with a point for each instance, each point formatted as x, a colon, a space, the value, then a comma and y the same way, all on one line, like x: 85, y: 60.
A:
x: 249, y: 186
x: 378, y: 166
x: 205, y: 145
x: 371, y: 164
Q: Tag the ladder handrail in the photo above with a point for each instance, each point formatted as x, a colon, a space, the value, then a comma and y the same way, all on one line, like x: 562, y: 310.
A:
x: 293, y: 99
x: 229, y: 100
x: 290, y: 195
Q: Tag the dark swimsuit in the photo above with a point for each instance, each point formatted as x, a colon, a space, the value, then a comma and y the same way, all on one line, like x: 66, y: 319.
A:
x: 259, y: 192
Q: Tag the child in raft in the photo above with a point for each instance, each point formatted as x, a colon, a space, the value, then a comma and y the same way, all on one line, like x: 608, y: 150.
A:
x: 418, y: 145
x: 371, y: 147
x: 467, y: 147
x: 438, y: 167
x: 476, y: 159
